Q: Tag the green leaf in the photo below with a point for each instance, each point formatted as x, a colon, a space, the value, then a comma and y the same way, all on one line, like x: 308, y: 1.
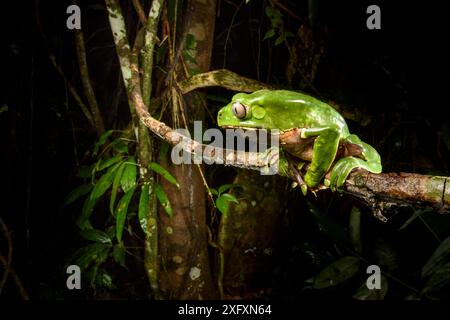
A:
x: 119, y: 146
x: 77, y: 193
x: 193, y: 71
x: 4, y: 108
x: 128, y: 179
x: 228, y: 186
x: 144, y: 208
x: 225, y: 187
x: 214, y: 191
x: 364, y: 293
x: 95, y: 252
x: 104, y: 280
x: 122, y: 209
x: 337, y: 272
x: 269, y: 34
x: 229, y: 197
x: 223, y: 205
x: 438, y: 258
x: 86, y: 212
x: 85, y: 171
x: 439, y: 279
x: 119, y: 254
x: 164, y: 173
x: 275, y: 16
x: 280, y: 40
x: 190, y: 43
x: 312, y: 11
x: 164, y: 148
x: 92, y: 274
x: 289, y: 34
x: 163, y: 199
x: 115, y: 187
x: 103, y: 183
x: 188, y: 57
x: 355, y: 229
x: 96, y: 236
x: 101, y: 141
x: 106, y: 163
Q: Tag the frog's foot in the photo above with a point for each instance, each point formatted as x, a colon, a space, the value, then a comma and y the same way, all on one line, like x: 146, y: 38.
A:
x: 371, y: 162
x: 344, y: 166
x: 298, y: 178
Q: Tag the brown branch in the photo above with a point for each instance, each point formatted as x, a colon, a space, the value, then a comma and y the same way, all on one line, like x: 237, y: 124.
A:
x: 384, y: 189
x: 85, y: 80
x: 140, y: 12
x: 375, y: 189
x: 222, y: 78
x: 58, y: 68
x: 7, y: 264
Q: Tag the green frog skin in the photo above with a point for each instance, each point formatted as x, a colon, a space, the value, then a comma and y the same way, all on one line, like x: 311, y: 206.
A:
x: 285, y: 110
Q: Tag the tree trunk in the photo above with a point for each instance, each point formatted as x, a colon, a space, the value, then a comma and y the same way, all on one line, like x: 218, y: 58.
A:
x: 185, y: 270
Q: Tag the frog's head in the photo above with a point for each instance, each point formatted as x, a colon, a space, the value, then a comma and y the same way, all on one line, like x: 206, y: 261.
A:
x: 244, y: 112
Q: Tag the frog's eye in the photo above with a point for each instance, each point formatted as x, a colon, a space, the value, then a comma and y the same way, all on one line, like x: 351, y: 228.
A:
x: 239, y: 110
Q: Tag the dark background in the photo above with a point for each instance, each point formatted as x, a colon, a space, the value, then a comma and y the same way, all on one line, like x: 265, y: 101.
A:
x: 398, y: 75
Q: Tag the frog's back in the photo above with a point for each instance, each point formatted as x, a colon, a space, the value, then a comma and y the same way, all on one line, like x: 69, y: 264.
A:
x: 303, y: 111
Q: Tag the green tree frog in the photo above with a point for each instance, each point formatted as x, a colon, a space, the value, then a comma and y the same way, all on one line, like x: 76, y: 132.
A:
x: 318, y: 121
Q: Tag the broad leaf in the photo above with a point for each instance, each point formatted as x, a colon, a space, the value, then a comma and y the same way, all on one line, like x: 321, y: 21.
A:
x: 121, y: 214
x: 115, y: 187
x: 229, y: 197
x: 364, y: 293
x: 88, y: 207
x: 96, y: 235
x: 119, y: 146
x: 438, y: 258
x: 213, y: 191
x: 85, y: 171
x: 144, y: 206
x: 226, y: 187
x: 128, y: 179
x: 119, y: 254
x: 103, y: 183
x: 190, y: 42
x: 338, y: 272
x: 163, y: 199
x: 104, y: 280
x: 106, y: 163
x: 101, y: 141
x: 355, y: 229
x: 439, y: 279
x: 269, y: 34
x: 77, y: 193
x: 223, y: 205
x: 95, y: 252
x: 164, y: 173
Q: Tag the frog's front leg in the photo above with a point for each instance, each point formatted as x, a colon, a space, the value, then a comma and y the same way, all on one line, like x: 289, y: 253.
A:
x: 343, y: 167
x: 324, y: 151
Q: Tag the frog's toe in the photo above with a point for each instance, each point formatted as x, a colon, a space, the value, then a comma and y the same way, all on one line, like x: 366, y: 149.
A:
x: 304, y: 189
x: 338, y: 175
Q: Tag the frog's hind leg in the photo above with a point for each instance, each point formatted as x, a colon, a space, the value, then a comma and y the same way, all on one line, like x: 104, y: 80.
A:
x: 344, y: 166
x: 324, y: 151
